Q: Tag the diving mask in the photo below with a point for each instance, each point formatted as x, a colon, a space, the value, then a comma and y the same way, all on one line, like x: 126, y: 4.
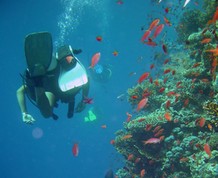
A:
x: 65, y: 57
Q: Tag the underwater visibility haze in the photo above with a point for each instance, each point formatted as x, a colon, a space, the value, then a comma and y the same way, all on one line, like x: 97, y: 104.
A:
x: 152, y: 110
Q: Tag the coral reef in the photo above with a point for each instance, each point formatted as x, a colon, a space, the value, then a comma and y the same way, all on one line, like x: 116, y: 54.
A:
x: 193, y: 20
x: 175, y: 133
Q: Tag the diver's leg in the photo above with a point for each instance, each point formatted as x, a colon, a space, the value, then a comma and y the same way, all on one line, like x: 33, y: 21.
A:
x: 45, y: 101
x: 71, y: 105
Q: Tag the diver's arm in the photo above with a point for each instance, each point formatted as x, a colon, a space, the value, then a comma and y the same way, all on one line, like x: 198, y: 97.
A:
x: 27, y: 118
x: 21, y: 99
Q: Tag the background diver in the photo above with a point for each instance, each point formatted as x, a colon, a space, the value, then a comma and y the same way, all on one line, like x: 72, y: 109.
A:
x: 49, y: 79
x: 101, y: 73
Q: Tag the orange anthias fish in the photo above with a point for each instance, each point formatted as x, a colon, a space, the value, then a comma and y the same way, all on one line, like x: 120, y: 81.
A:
x: 152, y: 141
x: 130, y: 157
x: 126, y: 137
x: 167, y: 21
x: 214, y: 51
x: 150, y: 42
x: 95, y: 59
x: 143, y: 77
x: 186, y: 102
x: 115, y: 53
x: 206, y: 40
x: 129, y: 116
x: 75, y: 149
x: 142, y: 104
x: 153, y: 24
x: 99, y: 38
x: 215, y: 17
x: 151, y: 66
x: 200, y: 122
x: 158, y: 30
x: 104, y: 126
x: 207, y: 149
x: 146, y: 35
x: 167, y: 116
x: 167, y: 104
x: 142, y: 173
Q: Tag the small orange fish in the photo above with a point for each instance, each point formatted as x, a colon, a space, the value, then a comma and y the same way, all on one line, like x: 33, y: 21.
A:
x: 153, y: 24
x: 167, y: 71
x: 130, y: 157
x: 196, y: 64
x: 166, y: 9
x: 162, y: 90
x: 201, y: 122
x: 125, y: 137
x: 146, y: 35
x: 104, y: 126
x: 150, y: 42
x: 173, y: 72
x: 134, y: 96
x: 112, y: 142
x: 159, y: 133
x: 214, y: 51
x: 95, y: 59
x: 178, y: 84
x: 148, y: 127
x: 129, y: 116
x: 142, y: 104
x: 115, y: 53
x: 167, y: 104
x: 167, y: 116
x: 171, y: 93
x: 167, y: 21
x: 156, y: 128
x: 156, y: 82
x: 141, y: 119
x: 137, y: 160
x: 151, y: 66
x: 158, y: 30
x: 143, y: 77
x: 151, y: 141
x: 166, y: 61
x: 207, y: 149
x: 215, y: 17
x: 206, y: 40
x: 142, y: 173
x: 209, y: 126
x: 75, y: 149
x: 184, y: 159
x: 99, y: 38
x: 186, y: 102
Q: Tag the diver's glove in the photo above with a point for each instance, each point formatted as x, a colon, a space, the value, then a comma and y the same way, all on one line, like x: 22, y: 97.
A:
x: 27, y: 118
x: 80, y: 106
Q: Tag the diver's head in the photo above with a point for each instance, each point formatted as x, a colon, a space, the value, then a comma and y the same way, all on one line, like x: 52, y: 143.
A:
x: 66, y: 57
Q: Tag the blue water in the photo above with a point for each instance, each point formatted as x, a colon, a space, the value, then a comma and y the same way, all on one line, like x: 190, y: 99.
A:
x: 77, y: 23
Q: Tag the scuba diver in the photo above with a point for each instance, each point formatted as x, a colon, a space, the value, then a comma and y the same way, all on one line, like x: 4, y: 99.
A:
x: 101, y: 73
x: 49, y: 79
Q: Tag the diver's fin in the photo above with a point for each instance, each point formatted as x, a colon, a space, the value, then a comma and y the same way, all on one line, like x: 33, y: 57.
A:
x: 38, y: 52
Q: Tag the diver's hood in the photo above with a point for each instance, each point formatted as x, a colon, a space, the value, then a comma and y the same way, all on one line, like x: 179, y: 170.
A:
x: 63, y: 52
